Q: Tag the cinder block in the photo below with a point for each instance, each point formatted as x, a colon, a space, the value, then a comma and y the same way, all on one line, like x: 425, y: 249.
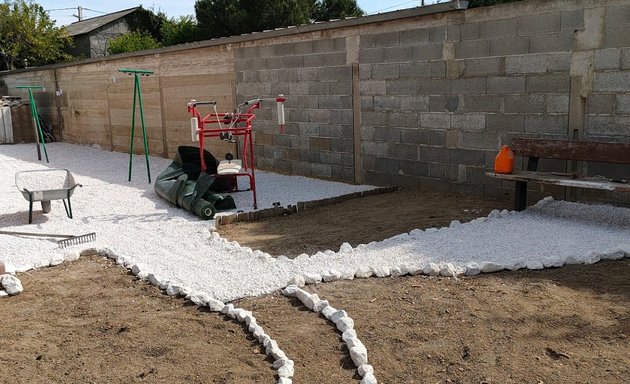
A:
x: 453, y: 33
x: 437, y: 103
x: 309, y: 130
x: 435, y: 154
x: 414, y: 37
x: 623, y: 103
x: 474, y: 86
x: 403, y: 119
x: 303, y: 48
x: 556, y: 83
x: 435, y: 120
x: 437, y: 170
x: 600, y: 104
x: 284, y: 62
x: 246, y: 53
x: 452, y: 103
x: 472, y: 48
x: 403, y: 151
x: 341, y: 173
x: 437, y: 35
x: 415, y: 70
x: 343, y: 145
x: 377, y: 178
x: 306, y: 74
x: 329, y: 102
x: 551, y: 42
x: 385, y: 71
x: 367, y: 103
x: 522, y: 64
x: 302, y: 168
x: 617, y: 37
x: 468, y: 31
x: 320, y: 170
x: 481, y: 103
x: 509, y: 46
x: 550, y: 124
x: 397, y: 54
x: 557, y: 103
x: 438, y: 68
x: 525, y: 104
x: 611, y: 81
x: 388, y: 39
x: 386, y: 102
x: 617, y: 15
x: 558, y: 62
x: 318, y: 88
x: 341, y: 116
x: 451, y: 138
x: 498, y: 28
x: 330, y: 158
x: 415, y: 136
x: 340, y: 88
x: 625, y: 58
x: 279, y: 88
x: 467, y: 156
x: 606, y: 59
x: 373, y: 87
x: 335, y: 73
x: 377, y: 118
x: 540, y: 23
x: 283, y: 49
x: 335, y: 59
x: 414, y: 168
x: 478, y: 140
x: 469, y: 122
x: 373, y: 55
x: 379, y: 149
x: 434, y: 86
x: 415, y: 103
x: 506, y: 85
x: 427, y: 52
x: 437, y: 138
x: 402, y: 87
x: 602, y: 125
x: 323, y: 45
x: 336, y: 130
x: 487, y: 66
x: 572, y: 20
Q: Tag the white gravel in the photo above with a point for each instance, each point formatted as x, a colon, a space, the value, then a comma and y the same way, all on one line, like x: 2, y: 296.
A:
x: 138, y: 228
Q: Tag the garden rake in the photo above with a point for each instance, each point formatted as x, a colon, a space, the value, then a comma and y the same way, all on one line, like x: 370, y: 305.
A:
x: 67, y: 239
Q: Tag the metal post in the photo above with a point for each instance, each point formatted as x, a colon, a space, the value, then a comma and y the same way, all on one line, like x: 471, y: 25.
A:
x: 137, y: 93
x: 39, y: 135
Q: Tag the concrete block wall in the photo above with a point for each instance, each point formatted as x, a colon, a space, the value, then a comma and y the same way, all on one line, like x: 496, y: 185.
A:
x: 313, y: 74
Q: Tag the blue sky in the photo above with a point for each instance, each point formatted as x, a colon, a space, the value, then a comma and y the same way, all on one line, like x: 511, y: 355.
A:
x: 175, y: 8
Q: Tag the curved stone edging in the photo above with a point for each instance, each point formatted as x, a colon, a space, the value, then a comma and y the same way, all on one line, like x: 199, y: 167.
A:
x: 345, y: 325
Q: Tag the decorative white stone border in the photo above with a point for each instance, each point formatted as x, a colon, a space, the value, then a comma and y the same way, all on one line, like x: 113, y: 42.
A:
x: 282, y: 364
x: 345, y: 325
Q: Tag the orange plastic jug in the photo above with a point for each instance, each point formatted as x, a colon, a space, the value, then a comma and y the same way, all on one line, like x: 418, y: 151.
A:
x: 504, y: 162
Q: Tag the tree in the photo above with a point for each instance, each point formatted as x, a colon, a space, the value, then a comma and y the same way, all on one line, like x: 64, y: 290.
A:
x: 180, y: 31
x: 131, y: 42
x: 28, y: 37
x: 219, y: 18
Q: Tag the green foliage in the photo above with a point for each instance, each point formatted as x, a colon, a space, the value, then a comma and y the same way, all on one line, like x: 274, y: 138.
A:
x: 483, y: 3
x: 180, y: 31
x: 145, y: 20
x: 131, y: 42
x: 219, y: 18
x: 28, y: 37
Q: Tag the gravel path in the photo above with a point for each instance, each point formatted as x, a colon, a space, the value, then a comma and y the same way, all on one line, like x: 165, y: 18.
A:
x: 133, y: 223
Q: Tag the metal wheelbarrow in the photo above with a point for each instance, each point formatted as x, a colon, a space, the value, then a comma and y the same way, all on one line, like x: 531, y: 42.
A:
x: 46, y: 185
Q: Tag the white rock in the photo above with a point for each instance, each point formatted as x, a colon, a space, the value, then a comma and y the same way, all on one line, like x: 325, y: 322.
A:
x: 449, y: 270
x: 143, y: 275
x: 23, y: 268
x: 338, y: 315
x: 3, y: 293
x: 416, y: 270
x: 431, y: 269
x: 354, y: 342
x: 235, y: 312
x: 495, y: 214
x: 396, y: 272
x: 153, y: 279
x: 574, y: 260
x: 363, y: 272
x: 615, y: 254
x: 227, y: 309
x: 136, y: 268
x: 279, y: 363
x: 164, y: 284
x: 286, y: 370
x: 472, y: 269
x: 284, y: 380
x: 253, y: 326
x: 369, y: 378
x: 381, y: 271
x: 310, y: 301
x: 173, y: 289
x: 319, y: 305
x: 455, y: 224
x: 302, y: 295
x: 250, y: 319
x: 281, y: 258
x: 489, y: 267
x: 535, y: 264
x: 347, y: 275
x: 350, y: 333
x: 430, y: 230
x: 555, y: 262
x: 404, y: 270
x: 290, y: 290
x: 56, y: 260
x: 41, y: 263
x: 364, y: 369
x: 277, y: 353
x: 331, y: 275
x: 297, y: 280
x: 358, y: 355
x: 12, y: 285
x: 345, y: 248
x: 312, y: 278
x: 71, y: 256
x: 344, y: 324
x: 416, y: 233
x: 199, y: 298
x: 514, y: 265
x: 215, y: 305
x: 328, y: 311
x: 302, y: 258
x: 259, y: 334
x: 241, y: 316
x: 593, y: 258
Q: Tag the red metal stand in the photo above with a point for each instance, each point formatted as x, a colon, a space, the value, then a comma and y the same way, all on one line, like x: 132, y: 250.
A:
x: 229, y: 125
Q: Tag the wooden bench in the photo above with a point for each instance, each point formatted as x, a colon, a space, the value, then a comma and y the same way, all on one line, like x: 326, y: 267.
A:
x: 590, y: 151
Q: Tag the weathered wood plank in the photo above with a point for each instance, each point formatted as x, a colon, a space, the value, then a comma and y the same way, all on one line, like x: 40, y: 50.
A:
x: 565, y: 180
x: 606, y: 152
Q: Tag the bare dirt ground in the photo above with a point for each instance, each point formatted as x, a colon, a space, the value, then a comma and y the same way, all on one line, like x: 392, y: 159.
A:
x: 90, y: 321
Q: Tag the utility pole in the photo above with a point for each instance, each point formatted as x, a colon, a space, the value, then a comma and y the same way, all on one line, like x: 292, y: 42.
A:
x: 80, y: 13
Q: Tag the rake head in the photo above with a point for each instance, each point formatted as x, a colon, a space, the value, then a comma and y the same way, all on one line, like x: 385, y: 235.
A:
x: 77, y: 240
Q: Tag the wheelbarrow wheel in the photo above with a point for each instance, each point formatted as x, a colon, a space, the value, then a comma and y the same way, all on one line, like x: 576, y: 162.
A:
x: 46, y: 206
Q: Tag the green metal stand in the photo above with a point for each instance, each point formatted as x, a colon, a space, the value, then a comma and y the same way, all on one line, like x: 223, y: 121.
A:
x: 39, y: 135
x: 137, y: 93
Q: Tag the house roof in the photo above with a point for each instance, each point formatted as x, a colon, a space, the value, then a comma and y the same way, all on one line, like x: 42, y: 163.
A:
x: 88, y: 25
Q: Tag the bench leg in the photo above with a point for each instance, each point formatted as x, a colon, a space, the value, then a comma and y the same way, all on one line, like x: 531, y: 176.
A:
x: 520, y: 196
x: 68, y: 208
x: 30, y: 211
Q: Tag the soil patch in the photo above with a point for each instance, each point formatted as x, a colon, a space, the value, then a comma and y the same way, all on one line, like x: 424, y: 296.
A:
x: 90, y: 321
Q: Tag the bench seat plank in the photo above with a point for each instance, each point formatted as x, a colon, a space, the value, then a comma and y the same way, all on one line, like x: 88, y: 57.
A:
x: 565, y: 180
